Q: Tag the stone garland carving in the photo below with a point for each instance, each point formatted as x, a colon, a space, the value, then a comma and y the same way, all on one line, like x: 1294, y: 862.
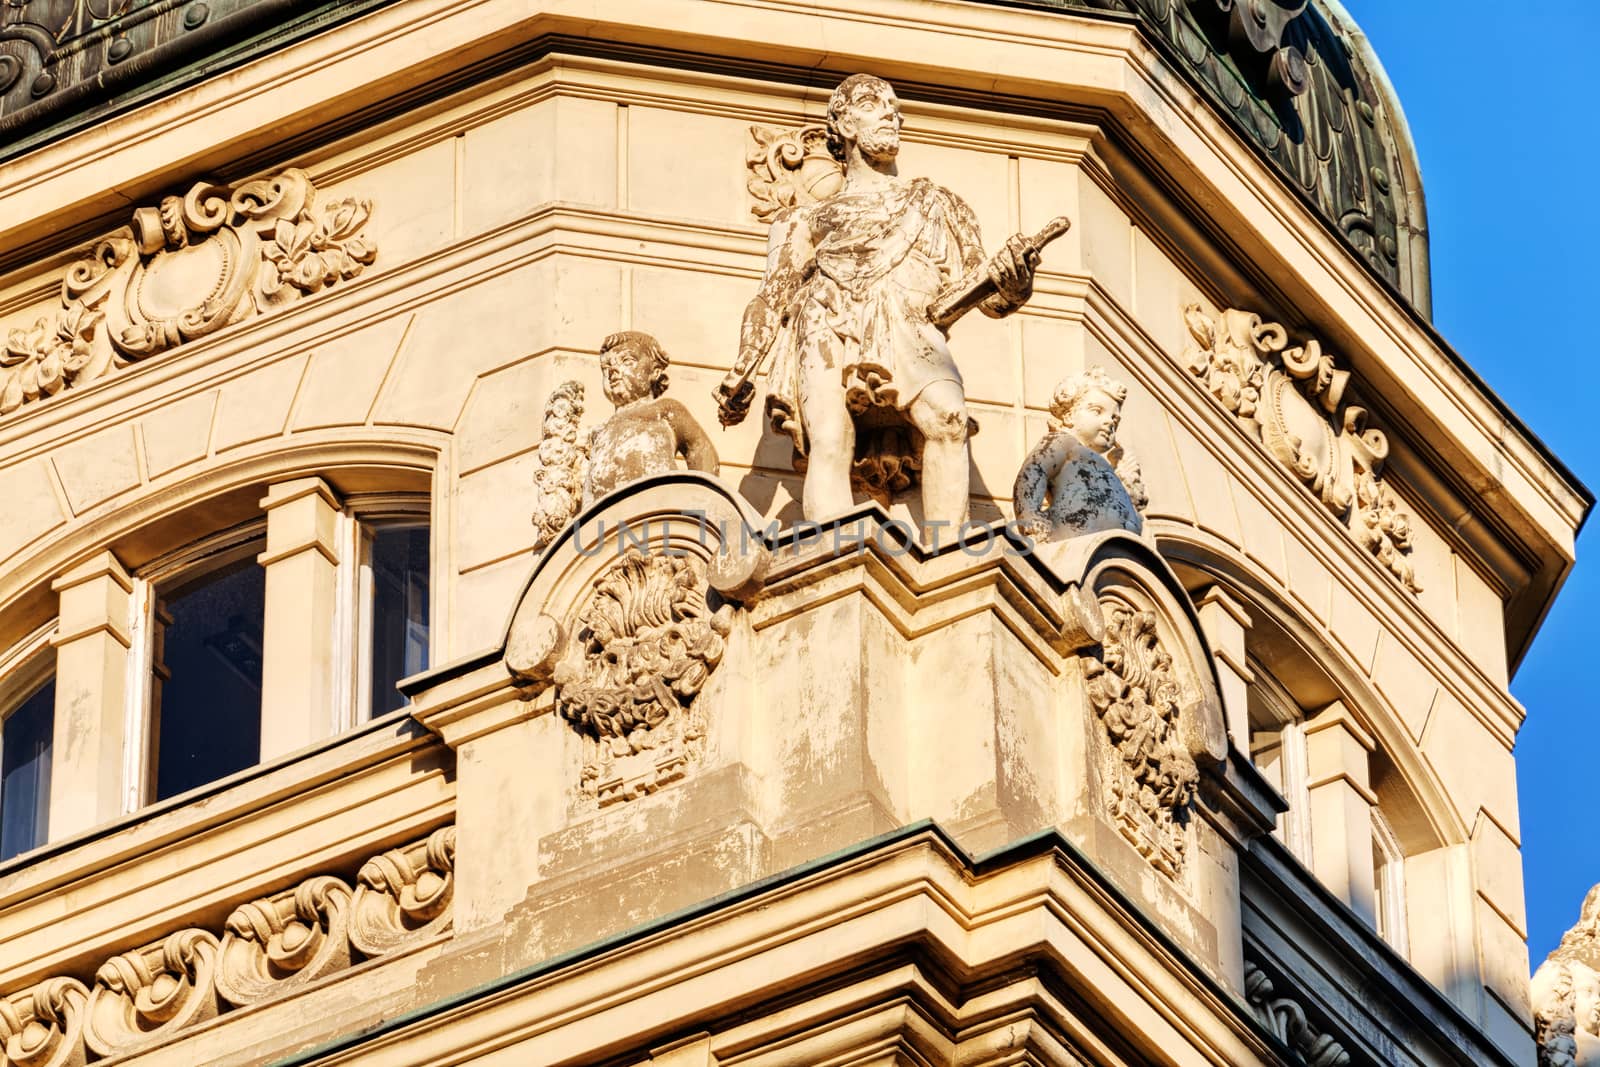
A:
x: 267, y: 947
x: 181, y: 271
x: 644, y: 646
x: 1287, y: 1021
x: 563, y: 455
x: 1149, y: 777
x: 1294, y: 400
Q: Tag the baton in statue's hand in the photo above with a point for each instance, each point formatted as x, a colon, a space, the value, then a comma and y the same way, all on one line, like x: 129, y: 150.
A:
x: 978, y: 286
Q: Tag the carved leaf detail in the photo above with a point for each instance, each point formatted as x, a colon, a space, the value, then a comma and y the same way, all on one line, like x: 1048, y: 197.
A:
x: 141, y: 995
x: 789, y: 168
x: 403, y: 896
x: 563, y: 459
x: 1151, y: 779
x: 645, y: 644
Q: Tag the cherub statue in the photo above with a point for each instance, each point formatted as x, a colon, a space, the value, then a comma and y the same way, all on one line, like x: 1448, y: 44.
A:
x: 645, y: 435
x: 1091, y: 484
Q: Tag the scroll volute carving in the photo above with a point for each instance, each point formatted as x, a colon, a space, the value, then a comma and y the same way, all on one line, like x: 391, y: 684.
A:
x: 790, y: 167
x: 43, y: 1026
x: 1296, y: 402
x: 403, y: 896
x: 152, y: 991
x: 285, y: 941
x: 182, y: 270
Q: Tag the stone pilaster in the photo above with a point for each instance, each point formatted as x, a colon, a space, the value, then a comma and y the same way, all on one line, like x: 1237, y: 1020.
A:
x: 299, y: 660
x: 92, y: 645
x: 1342, y: 800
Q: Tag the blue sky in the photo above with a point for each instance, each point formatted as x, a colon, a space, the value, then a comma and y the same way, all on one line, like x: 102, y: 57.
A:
x: 1506, y: 132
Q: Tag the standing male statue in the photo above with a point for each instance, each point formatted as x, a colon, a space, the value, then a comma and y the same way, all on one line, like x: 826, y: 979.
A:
x: 859, y: 293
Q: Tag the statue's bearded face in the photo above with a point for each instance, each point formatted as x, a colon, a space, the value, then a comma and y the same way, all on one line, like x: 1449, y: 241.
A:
x: 625, y: 373
x: 1093, y: 420
x: 872, y: 120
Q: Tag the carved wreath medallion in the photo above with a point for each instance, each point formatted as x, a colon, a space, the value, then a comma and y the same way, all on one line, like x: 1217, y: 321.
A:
x: 644, y: 645
x: 183, y: 270
x: 1149, y: 777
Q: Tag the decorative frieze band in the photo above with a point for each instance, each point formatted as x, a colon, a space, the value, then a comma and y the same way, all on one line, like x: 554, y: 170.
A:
x: 1284, y: 1016
x: 184, y: 269
x: 267, y: 947
x: 1294, y: 401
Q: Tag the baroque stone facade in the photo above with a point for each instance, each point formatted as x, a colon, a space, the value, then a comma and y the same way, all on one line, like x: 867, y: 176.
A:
x: 368, y: 697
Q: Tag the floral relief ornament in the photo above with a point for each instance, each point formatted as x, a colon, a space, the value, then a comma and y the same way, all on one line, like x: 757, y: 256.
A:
x: 1150, y: 778
x: 645, y: 644
x: 182, y: 270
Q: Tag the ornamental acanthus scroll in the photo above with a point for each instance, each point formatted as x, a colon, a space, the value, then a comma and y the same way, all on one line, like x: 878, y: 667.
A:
x: 1294, y: 400
x: 182, y: 270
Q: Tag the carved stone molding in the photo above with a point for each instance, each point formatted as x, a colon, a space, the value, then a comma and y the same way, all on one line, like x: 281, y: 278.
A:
x: 152, y: 991
x: 789, y: 168
x: 403, y: 896
x: 643, y: 646
x: 182, y: 270
x: 1150, y: 780
x: 266, y: 948
x: 1287, y: 1020
x: 43, y: 1026
x: 285, y: 941
x: 1295, y: 402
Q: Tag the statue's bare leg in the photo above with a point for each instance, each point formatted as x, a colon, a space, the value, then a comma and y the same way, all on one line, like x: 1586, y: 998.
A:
x: 831, y: 443
x: 940, y: 413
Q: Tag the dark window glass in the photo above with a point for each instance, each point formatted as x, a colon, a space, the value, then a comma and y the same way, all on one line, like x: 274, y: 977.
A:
x: 399, y: 561
x: 208, y: 722
x: 25, y: 772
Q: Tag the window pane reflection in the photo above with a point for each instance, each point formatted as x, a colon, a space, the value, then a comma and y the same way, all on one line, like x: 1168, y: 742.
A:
x: 209, y: 706
x: 399, y: 561
x: 25, y: 772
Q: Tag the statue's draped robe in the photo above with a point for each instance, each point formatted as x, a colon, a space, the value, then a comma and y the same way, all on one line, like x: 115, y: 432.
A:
x: 853, y: 277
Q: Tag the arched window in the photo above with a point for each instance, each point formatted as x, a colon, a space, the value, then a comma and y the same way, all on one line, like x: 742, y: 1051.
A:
x: 351, y: 604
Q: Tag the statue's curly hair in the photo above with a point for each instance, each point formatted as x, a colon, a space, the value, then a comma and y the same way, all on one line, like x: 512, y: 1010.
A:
x: 1071, y: 390
x: 652, y: 348
x: 840, y: 100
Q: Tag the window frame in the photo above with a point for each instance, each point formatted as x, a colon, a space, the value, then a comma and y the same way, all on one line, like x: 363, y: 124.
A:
x: 154, y: 583
x: 25, y: 668
x: 1294, y: 778
x: 361, y: 515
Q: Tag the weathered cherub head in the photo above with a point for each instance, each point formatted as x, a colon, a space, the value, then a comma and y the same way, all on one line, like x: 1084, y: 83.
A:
x: 1089, y: 406
x: 633, y: 365
x: 864, y: 111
